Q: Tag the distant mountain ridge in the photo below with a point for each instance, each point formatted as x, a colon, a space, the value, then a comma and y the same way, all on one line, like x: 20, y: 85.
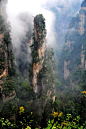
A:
x: 63, y: 18
x: 73, y: 55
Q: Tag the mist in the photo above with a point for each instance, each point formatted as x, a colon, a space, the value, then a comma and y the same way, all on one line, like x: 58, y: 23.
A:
x: 32, y: 8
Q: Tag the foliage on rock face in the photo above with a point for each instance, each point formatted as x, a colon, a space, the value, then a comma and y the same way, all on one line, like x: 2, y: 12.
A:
x: 83, y: 80
x: 40, y: 22
x: 8, y: 81
x: 2, y: 61
x: 73, y: 52
x: 2, y: 25
x: 9, y: 85
x: 47, y: 80
x: 83, y: 3
x: 47, y: 74
x: 74, y: 24
x: 43, y: 106
x: 2, y: 46
x: 75, y: 45
x: 39, y: 27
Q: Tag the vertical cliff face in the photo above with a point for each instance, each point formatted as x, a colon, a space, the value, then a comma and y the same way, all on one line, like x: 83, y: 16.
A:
x: 81, y: 23
x: 82, y: 15
x: 2, y: 8
x: 39, y: 49
x: 6, y: 67
x: 47, y: 75
x: 6, y: 61
x: 83, y: 58
x: 73, y: 50
x: 66, y: 70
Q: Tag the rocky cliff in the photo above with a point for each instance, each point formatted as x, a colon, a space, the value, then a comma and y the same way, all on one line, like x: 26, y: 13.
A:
x: 39, y: 49
x: 73, y: 57
x: 82, y: 15
x: 3, y: 8
x: 6, y: 61
x: 42, y: 76
x: 6, y: 67
x: 74, y: 37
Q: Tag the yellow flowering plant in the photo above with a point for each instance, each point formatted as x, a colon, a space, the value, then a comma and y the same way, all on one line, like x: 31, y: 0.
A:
x: 28, y: 127
x: 65, y: 123
x: 21, y: 110
x: 84, y: 92
x: 55, y: 114
x: 60, y: 114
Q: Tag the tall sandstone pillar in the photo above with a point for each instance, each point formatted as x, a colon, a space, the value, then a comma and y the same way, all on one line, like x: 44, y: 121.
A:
x: 39, y: 49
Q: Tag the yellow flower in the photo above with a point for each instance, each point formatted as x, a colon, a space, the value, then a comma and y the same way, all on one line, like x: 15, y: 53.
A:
x: 21, y: 110
x: 84, y: 92
x: 2, y: 62
x: 28, y: 127
x: 60, y: 114
x: 55, y: 114
x: 64, y: 123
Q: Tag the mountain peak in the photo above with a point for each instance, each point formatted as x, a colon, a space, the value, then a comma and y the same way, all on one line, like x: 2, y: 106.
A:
x: 83, y: 3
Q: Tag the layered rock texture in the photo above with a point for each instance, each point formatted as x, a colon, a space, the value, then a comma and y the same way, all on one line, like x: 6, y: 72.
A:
x: 74, y: 53
x: 39, y: 49
x: 6, y: 59
x: 43, y: 72
x: 77, y: 27
x: 6, y: 66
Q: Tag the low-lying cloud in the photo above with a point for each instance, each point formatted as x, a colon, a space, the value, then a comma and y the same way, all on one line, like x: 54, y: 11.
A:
x: 34, y: 7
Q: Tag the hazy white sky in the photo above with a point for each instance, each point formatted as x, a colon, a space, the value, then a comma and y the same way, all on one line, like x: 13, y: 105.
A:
x: 34, y: 7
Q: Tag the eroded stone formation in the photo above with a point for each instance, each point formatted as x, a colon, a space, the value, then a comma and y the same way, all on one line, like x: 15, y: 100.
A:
x: 77, y: 28
x: 5, y: 65
x: 6, y: 57
x: 39, y: 49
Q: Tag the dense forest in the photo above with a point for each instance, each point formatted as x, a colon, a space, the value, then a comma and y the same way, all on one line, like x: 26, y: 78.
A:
x: 35, y: 92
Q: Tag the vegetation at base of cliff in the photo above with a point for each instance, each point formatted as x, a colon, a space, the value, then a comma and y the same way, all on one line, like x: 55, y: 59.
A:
x: 57, y: 121
x: 20, y: 116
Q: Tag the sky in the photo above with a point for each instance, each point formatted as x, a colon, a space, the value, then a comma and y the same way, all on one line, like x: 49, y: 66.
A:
x: 34, y: 7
